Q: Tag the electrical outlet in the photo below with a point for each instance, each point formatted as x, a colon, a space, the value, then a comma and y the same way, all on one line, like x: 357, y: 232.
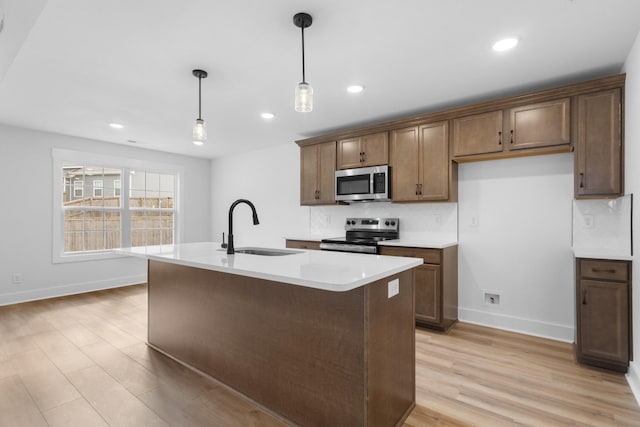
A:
x: 437, y: 219
x: 393, y: 288
x: 16, y: 278
x: 491, y: 298
x: 588, y: 221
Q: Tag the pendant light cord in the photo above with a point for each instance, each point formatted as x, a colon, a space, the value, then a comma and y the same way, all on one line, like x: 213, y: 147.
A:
x: 303, y: 75
x: 199, y: 98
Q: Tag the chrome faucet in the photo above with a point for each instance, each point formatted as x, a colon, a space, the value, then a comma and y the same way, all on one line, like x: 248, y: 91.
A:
x: 230, y: 248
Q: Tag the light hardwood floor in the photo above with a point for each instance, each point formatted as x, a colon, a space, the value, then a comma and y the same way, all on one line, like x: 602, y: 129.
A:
x: 82, y: 361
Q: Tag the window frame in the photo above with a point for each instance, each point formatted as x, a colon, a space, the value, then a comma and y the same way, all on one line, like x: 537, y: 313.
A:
x: 98, y: 187
x: 62, y: 156
x: 78, y: 184
x: 117, y: 187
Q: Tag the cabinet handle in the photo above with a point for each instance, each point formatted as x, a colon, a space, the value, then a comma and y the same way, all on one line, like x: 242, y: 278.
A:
x: 499, y: 137
x: 317, y: 195
x: 603, y: 270
x: 511, y: 136
x: 416, y: 189
x: 581, y: 180
x: 584, y: 296
x: 420, y: 190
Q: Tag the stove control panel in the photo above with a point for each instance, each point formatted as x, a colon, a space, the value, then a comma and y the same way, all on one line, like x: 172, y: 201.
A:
x: 373, y: 224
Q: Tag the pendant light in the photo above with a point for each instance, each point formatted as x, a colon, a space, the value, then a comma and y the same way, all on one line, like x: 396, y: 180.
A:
x: 199, y: 126
x: 304, y: 91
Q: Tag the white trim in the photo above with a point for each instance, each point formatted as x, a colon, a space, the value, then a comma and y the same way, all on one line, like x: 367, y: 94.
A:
x: 633, y: 378
x: 76, y: 288
x: 521, y: 325
x: 60, y: 156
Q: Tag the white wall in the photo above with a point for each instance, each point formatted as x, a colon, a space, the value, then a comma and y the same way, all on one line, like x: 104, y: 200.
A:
x: 632, y: 185
x: 520, y: 245
x: 26, y: 219
x: 270, y: 179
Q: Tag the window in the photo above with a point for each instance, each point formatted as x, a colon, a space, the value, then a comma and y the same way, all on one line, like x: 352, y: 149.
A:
x: 97, y: 188
x: 78, y: 189
x: 89, y: 227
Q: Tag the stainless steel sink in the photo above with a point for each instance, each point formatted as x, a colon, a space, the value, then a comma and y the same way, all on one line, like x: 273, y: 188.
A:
x: 264, y: 251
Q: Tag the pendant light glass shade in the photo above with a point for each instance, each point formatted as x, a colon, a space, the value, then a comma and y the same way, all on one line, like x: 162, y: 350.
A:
x: 199, y: 131
x: 304, y: 97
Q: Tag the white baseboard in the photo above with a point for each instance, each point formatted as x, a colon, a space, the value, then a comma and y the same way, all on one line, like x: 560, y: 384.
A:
x: 633, y: 378
x: 521, y: 325
x: 76, y: 288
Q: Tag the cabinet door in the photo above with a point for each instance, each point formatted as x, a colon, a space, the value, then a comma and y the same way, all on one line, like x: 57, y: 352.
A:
x: 434, y: 155
x: 478, y: 134
x: 599, y: 161
x: 349, y: 153
x: 326, y: 173
x: 604, y: 322
x: 427, y: 281
x: 540, y: 125
x: 376, y: 149
x: 405, y: 160
x: 308, y: 174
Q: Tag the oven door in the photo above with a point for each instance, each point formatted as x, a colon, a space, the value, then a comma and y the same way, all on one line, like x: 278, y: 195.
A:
x: 362, y: 184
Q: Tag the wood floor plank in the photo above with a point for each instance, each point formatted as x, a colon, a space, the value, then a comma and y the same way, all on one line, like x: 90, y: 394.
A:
x: 46, y: 384
x: 17, y: 409
x: 112, y: 401
x: 77, y: 413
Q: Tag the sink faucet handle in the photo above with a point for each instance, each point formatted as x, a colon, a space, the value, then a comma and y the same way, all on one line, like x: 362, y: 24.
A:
x: 223, y: 245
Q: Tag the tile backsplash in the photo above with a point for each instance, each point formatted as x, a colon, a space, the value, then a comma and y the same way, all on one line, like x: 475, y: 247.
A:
x: 438, y: 221
x: 603, y: 225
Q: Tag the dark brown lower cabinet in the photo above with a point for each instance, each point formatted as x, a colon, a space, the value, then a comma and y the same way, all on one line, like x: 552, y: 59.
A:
x: 436, y: 284
x: 603, y: 313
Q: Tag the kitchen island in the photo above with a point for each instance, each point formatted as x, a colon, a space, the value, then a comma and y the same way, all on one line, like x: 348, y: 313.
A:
x: 317, y: 338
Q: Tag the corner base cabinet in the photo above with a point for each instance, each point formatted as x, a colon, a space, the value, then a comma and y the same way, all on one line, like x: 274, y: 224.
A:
x: 436, y: 284
x: 603, y: 313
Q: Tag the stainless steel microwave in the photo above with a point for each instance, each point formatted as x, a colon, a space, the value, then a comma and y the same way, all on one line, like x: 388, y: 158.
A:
x: 363, y: 184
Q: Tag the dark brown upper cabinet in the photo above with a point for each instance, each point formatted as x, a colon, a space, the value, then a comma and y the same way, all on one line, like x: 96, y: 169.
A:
x: 532, y: 127
x: 599, y: 171
x: 317, y: 174
x: 420, y: 165
x: 361, y: 151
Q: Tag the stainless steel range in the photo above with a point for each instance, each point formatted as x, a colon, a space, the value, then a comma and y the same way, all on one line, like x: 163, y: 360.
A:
x: 363, y: 235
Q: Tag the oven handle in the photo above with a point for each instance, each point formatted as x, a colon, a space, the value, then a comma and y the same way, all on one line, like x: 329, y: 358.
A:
x: 349, y: 248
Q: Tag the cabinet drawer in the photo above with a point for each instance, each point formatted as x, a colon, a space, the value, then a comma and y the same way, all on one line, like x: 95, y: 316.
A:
x: 430, y: 256
x: 606, y: 270
x: 303, y: 244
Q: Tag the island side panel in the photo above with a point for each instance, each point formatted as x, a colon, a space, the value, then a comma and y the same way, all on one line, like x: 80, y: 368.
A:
x: 391, y: 351
x: 297, y: 351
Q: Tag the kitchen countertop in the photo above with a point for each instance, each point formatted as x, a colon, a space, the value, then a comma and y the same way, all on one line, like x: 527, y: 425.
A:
x: 600, y: 254
x: 331, y: 271
x: 422, y: 243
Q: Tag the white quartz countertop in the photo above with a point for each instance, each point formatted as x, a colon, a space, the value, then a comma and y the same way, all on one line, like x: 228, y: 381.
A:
x: 331, y: 271
x: 411, y: 243
x: 601, y: 254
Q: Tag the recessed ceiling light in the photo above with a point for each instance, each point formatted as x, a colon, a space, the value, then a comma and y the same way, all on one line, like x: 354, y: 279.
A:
x: 116, y: 125
x: 267, y: 115
x: 198, y: 143
x: 505, y: 44
x: 355, y: 88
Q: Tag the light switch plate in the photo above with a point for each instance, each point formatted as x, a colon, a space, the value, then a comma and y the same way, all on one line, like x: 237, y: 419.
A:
x: 394, y: 288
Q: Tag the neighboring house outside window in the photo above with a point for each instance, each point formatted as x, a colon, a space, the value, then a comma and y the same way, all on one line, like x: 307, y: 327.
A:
x: 89, y: 227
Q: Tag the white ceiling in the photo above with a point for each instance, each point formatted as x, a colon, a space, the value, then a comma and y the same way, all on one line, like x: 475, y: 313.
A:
x: 74, y: 66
